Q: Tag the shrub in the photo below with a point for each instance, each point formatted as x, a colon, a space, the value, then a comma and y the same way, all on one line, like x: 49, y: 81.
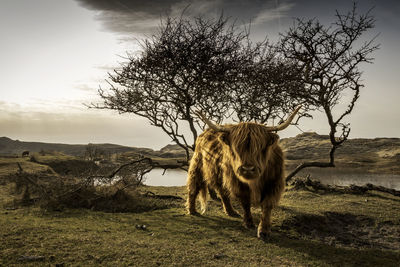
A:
x: 116, y: 192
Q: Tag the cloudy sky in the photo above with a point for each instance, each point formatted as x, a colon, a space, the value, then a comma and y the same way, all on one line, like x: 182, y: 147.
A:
x: 54, y: 55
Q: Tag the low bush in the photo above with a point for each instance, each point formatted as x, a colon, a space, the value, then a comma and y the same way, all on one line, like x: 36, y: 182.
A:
x: 116, y: 192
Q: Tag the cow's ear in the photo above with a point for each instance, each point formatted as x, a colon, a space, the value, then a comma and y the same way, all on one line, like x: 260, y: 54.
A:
x: 273, y: 138
x: 224, y: 138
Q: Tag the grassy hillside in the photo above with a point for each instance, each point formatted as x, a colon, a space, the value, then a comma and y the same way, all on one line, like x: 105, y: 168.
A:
x: 379, y: 155
x: 9, y: 166
x: 309, y: 229
x: 56, y: 162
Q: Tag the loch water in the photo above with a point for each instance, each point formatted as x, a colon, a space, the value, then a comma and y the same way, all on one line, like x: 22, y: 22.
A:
x: 327, y: 176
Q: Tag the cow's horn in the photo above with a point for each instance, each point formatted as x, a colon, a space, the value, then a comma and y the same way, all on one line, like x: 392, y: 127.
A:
x: 285, y: 123
x: 213, y: 126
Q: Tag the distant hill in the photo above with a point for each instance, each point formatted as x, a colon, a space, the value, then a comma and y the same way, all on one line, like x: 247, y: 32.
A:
x: 372, y: 155
x: 172, y: 151
x: 16, y: 147
x: 378, y: 155
x: 313, y: 145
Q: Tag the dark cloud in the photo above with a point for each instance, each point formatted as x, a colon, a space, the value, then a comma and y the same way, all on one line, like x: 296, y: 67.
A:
x: 127, y: 6
x: 143, y: 17
x: 137, y: 19
x: 157, y: 7
x: 126, y: 16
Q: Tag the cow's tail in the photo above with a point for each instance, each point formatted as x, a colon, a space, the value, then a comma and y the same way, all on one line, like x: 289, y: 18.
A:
x: 203, y: 198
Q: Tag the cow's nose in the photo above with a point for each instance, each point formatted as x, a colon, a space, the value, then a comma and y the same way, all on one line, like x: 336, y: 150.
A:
x: 248, y: 168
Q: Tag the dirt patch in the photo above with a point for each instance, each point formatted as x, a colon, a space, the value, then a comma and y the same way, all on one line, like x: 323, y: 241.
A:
x: 346, y: 230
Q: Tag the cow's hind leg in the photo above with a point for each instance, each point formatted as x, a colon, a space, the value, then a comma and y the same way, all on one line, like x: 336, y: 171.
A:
x: 191, y: 200
x: 195, y: 185
x: 226, y: 202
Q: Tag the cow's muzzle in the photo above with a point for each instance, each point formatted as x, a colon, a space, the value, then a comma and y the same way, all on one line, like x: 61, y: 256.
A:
x: 248, y: 171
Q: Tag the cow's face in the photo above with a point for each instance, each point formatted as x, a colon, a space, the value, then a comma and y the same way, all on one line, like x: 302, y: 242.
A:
x: 248, y: 146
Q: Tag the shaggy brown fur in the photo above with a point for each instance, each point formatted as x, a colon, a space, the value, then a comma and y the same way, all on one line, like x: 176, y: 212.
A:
x: 246, y: 163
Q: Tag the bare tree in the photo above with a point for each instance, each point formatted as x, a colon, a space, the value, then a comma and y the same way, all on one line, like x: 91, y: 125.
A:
x: 329, y: 58
x: 187, y: 65
x: 266, y: 89
x: 210, y: 65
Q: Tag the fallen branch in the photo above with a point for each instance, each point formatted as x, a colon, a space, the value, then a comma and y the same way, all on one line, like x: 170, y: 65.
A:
x: 309, y: 165
x: 352, y: 189
x: 178, y: 165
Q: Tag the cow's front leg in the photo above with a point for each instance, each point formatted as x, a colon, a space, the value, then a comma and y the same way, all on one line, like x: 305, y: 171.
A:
x: 247, y: 218
x: 226, y: 202
x: 264, y: 228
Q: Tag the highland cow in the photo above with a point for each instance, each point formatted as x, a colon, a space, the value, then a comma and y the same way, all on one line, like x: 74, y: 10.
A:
x: 241, y: 160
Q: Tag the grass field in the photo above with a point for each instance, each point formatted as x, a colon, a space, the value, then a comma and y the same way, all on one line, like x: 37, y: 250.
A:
x: 309, y: 229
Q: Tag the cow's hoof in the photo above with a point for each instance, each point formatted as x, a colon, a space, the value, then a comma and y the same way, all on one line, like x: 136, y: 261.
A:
x: 194, y: 213
x: 233, y: 214
x: 264, y: 236
x: 249, y: 225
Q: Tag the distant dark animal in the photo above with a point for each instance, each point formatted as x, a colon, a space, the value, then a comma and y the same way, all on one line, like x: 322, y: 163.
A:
x: 243, y: 160
x: 25, y: 153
